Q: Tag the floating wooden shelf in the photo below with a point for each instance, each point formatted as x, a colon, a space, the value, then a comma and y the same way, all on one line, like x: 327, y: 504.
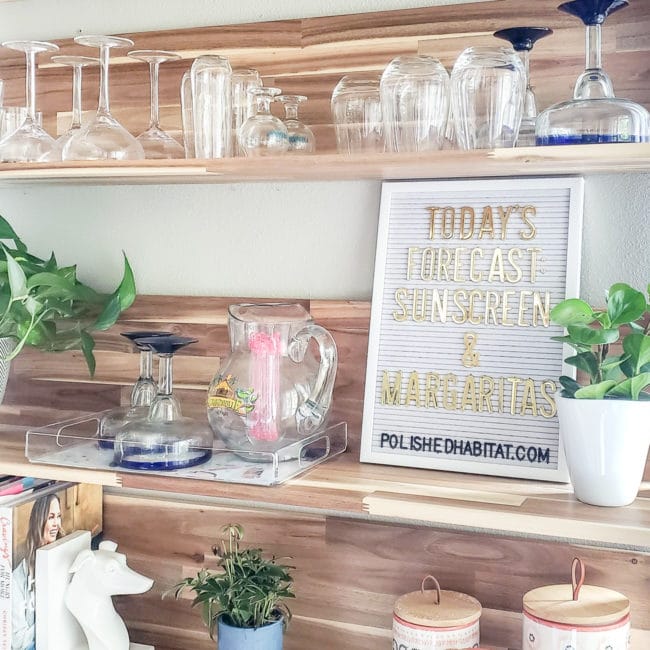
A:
x: 525, y: 161
x: 343, y: 487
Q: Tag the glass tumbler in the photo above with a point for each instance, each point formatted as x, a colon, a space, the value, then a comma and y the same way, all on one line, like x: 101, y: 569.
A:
x: 243, y: 106
x: 488, y: 86
x: 211, y: 106
x: 356, y: 113
x: 414, y: 94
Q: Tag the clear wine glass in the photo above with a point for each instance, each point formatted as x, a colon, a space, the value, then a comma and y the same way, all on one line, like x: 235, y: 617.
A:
x: 187, y: 115
x: 594, y: 115
x: 263, y: 134
x: 301, y: 137
x: 523, y: 39
x: 77, y: 63
x: 103, y: 137
x: 30, y: 142
x: 164, y: 439
x: 156, y: 142
x: 142, y: 393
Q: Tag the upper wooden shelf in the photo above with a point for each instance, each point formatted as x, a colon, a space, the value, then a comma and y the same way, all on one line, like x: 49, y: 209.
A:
x: 344, y: 487
x: 580, y: 159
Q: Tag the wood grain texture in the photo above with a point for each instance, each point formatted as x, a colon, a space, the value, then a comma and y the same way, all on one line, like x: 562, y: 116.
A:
x: 309, y: 56
x: 348, y: 573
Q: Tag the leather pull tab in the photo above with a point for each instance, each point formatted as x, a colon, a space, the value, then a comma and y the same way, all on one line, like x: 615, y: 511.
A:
x: 577, y: 576
x: 436, y: 585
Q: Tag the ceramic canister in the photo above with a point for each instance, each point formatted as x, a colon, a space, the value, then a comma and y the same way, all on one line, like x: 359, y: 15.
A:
x: 575, y: 617
x: 435, y: 619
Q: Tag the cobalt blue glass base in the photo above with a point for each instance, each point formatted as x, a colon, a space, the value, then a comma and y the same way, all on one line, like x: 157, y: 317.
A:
x: 195, y: 457
x: 586, y: 138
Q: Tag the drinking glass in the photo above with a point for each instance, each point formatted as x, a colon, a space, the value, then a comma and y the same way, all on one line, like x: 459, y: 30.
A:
x: 487, y: 97
x: 164, y: 439
x: 263, y: 134
x: 301, y: 137
x: 77, y: 63
x: 29, y: 142
x: 243, y: 105
x: 414, y: 93
x: 103, y: 137
x: 186, y: 114
x: 594, y: 115
x: 157, y: 144
x: 356, y: 113
x: 142, y: 393
x: 211, y: 106
x: 523, y: 39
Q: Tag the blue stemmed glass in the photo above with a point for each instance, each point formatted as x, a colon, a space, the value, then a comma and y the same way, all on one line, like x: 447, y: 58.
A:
x: 164, y: 439
x: 594, y: 115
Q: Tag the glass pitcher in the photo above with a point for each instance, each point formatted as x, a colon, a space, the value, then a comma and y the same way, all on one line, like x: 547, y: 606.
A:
x: 272, y: 390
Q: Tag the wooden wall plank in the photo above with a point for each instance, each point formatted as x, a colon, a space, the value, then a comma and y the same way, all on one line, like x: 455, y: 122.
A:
x: 349, y: 572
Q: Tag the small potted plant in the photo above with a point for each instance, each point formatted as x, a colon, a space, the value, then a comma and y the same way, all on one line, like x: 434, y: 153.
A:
x: 605, y: 416
x: 45, y: 306
x: 245, y: 598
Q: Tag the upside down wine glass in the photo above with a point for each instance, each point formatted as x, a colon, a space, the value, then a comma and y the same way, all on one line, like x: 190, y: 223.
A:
x: 523, y: 39
x: 164, y: 439
x: 30, y: 142
x: 156, y: 142
x: 263, y: 134
x: 142, y: 393
x: 301, y: 137
x: 594, y: 115
x: 103, y: 137
x: 77, y: 63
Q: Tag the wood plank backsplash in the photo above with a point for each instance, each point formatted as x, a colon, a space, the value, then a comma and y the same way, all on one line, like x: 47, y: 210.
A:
x: 309, y: 57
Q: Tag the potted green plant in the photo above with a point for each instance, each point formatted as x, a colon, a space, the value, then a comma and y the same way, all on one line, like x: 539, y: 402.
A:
x: 605, y: 416
x: 46, y: 306
x: 244, y: 599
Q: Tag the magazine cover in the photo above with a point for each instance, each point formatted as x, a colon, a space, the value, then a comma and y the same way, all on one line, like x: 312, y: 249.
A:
x: 42, y: 513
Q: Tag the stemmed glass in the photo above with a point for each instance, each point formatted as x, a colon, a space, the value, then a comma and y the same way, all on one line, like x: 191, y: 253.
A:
x: 594, y: 115
x: 142, y: 393
x: 103, y: 137
x: 301, y: 137
x: 164, y: 439
x: 263, y: 134
x: 77, y: 63
x: 156, y: 142
x: 30, y: 142
x: 523, y: 39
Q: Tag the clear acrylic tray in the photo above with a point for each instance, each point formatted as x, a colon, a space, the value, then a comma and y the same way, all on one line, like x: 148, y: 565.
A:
x: 75, y: 443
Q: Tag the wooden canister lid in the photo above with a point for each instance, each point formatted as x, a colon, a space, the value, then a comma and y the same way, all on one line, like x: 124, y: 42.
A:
x: 575, y: 604
x: 437, y: 607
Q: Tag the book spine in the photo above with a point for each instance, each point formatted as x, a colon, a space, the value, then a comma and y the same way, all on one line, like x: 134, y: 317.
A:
x: 6, y: 552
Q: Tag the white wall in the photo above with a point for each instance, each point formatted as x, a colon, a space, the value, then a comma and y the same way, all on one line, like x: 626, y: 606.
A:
x: 267, y: 240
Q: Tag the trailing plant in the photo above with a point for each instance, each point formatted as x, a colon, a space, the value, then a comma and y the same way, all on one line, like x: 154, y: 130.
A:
x: 591, y: 333
x: 248, y: 590
x: 45, y: 306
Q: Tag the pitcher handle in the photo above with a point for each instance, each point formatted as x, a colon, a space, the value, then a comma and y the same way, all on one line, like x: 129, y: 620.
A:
x: 311, y: 414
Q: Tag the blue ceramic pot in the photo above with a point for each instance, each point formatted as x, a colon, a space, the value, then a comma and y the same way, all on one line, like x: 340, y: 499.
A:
x: 267, y: 637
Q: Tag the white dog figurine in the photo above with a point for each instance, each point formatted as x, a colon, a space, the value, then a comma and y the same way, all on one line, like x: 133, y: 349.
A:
x: 98, y: 575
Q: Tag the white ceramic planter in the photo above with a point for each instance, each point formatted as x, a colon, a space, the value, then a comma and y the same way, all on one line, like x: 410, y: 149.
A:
x: 606, y: 445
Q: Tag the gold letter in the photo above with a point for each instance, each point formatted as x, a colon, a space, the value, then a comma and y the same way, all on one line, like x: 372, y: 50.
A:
x: 547, y: 389
x: 409, y: 257
x: 487, y: 223
x: 400, y: 295
x: 390, y: 394
x: 512, y: 254
x: 532, y: 211
x: 464, y: 232
x: 412, y: 390
x: 475, y: 276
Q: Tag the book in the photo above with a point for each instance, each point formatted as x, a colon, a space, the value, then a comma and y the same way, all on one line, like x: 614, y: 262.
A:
x: 39, y: 515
